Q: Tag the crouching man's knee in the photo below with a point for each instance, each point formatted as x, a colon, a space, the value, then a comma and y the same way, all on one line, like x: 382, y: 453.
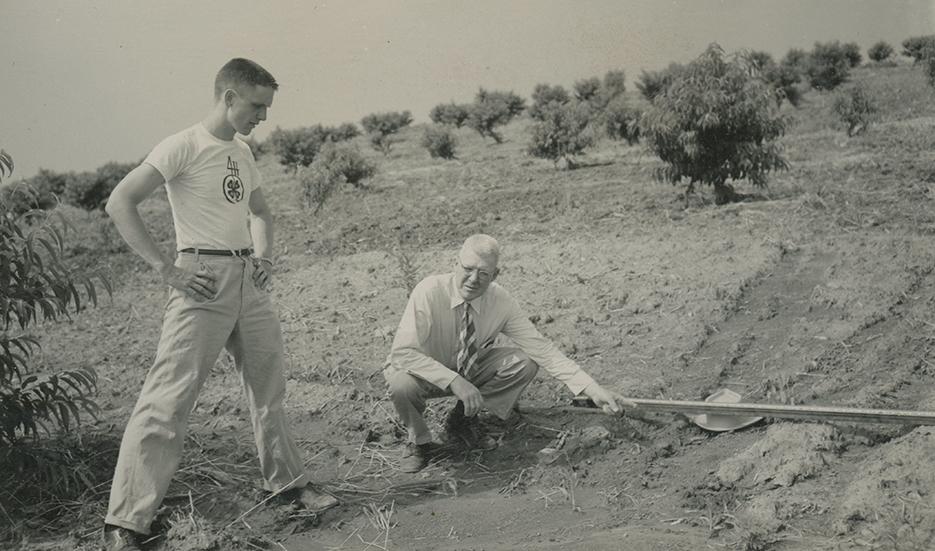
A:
x: 529, y: 369
x: 403, y: 386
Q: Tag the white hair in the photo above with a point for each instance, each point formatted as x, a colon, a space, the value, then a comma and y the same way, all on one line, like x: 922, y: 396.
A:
x: 482, y: 245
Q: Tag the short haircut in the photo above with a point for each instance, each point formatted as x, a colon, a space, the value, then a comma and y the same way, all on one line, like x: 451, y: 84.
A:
x: 240, y: 71
x: 483, y: 245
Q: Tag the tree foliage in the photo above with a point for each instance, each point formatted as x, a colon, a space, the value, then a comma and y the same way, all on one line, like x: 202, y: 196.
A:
x: 381, y: 128
x: 492, y: 109
x: 544, y: 95
x: 451, y: 114
x: 651, y: 84
x: 563, y: 132
x: 90, y: 190
x: 856, y: 108
x: 35, y: 286
x: 852, y: 53
x: 622, y: 121
x: 716, y: 122
x: 828, y: 65
x: 440, y: 142
x: 336, y: 164
x: 881, y: 51
x: 298, y: 147
x: 919, y: 48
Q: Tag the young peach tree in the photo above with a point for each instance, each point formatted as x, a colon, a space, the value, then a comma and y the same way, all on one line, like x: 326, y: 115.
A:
x: 35, y: 286
x: 382, y: 127
x: 492, y: 109
x: 716, y: 122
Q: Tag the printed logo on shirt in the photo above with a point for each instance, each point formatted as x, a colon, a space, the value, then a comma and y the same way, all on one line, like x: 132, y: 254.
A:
x: 232, y: 187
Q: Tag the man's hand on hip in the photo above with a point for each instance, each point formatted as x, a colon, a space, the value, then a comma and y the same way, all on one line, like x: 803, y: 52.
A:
x: 262, y: 273
x: 609, y: 401
x: 468, y: 394
x: 197, y: 285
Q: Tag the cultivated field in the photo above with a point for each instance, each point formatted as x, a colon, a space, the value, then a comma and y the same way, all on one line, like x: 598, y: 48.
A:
x: 819, y: 290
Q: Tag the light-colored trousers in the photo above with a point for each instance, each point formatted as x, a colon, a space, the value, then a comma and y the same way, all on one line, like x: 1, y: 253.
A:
x: 241, y: 318
x: 500, y: 374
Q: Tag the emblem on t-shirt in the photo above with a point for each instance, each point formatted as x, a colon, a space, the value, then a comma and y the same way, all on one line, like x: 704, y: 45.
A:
x: 232, y: 186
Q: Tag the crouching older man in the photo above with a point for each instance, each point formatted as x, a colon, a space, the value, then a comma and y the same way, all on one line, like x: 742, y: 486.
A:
x: 445, y: 346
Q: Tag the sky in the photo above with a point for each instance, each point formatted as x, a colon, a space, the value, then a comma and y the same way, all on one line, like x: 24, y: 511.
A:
x: 87, y: 82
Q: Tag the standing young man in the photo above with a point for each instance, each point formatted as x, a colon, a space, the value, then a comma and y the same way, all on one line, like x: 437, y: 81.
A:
x: 218, y: 298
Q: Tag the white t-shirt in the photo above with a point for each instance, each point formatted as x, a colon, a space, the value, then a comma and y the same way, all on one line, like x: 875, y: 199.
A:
x: 208, y: 181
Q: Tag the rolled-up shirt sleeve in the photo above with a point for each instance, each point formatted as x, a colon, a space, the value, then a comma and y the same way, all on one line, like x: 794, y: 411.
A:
x: 542, y: 350
x: 410, y: 343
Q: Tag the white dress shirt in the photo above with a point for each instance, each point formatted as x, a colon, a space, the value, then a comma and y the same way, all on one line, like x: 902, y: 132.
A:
x: 427, y: 340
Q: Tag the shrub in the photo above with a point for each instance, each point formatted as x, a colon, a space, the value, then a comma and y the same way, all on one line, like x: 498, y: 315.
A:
x: 852, y: 53
x: 440, y: 142
x: 90, y: 190
x: 828, y: 65
x: 651, y: 84
x: 452, y: 114
x: 492, y: 109
x: 613, y: 86
x: 760, y: 60
x: 856, y: 108
x: 881, y: 51
x: 796, y: 59
x: 587, y: 89
x: 930, y: 70
x: 716, y: 122
x: 347, y: 161
x: 381, y: 127
x: 919, y: 48
x: 37, y: 286
x: 544, y: 95
x: 563, y: 132
x: 298, y: 146
x: 622, y: 122
x: 784, y: 81
x: 335, y: 165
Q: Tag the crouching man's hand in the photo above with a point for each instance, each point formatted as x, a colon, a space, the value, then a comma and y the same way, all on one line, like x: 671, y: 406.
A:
x: 607, y: 400
x: 468, y: 394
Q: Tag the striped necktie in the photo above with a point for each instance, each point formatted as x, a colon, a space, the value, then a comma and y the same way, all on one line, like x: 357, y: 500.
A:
x: 467, y: 351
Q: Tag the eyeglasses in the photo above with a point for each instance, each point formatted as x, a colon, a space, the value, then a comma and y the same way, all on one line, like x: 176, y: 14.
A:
x: 482, y: 275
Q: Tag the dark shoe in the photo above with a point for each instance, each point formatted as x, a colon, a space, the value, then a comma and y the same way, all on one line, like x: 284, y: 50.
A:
x: 120, y: 539
x: 416, y: 457
x: 310, y: 499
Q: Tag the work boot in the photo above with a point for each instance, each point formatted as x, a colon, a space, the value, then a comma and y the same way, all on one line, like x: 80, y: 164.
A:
x: 117, y: 538
x: 310, y: 499
x: 416, y: 457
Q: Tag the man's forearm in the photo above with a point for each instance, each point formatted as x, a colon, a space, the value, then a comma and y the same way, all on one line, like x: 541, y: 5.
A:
x: 261, y: 231
x: 131, y: 227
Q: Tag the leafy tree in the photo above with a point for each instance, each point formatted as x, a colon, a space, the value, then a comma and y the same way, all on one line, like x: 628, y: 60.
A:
x: 334, y: 166
x: 651, y: 84
x: 782, y: 78
x: 796, y: 59
x: 90, y: 190
x: 298, y: 147
x: 587, y: 89
x: 452, y: 114
x: 544, y: 95
x: 612, y: 86
x: 622, y: 122
x: 828, y: 65
x: 881, y: 51
x: 563, y: 132
x: 852, y: 53
x: 919, y: 48
x: 856, y: 108
x: 492, y: 109
x: 381, y: 127
x: 716, y: 122
x: 440, y: 142
x: 36, y: 286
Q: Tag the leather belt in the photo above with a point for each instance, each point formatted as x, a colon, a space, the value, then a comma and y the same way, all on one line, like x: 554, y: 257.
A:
x: 219, y: 252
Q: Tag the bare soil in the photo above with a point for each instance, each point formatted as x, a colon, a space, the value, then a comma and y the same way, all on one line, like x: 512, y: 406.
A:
x: 818, y: 290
